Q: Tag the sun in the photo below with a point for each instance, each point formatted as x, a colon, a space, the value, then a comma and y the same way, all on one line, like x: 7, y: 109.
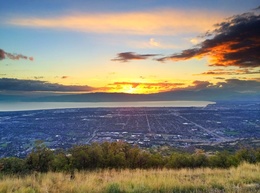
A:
x: 139, y: 87
x: 129, y: 89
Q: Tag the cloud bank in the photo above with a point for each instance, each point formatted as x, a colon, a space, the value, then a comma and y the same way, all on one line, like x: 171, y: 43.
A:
x: 228, y: 85
x: 12, y: 84
x: 4, y: 55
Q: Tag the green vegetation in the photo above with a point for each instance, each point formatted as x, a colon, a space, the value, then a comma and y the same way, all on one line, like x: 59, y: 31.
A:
x: 119, y: 167
x: 119, y: 155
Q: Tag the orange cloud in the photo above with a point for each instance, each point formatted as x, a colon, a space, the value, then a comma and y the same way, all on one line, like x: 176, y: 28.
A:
x: 164, y: 21
x: 235, y: 42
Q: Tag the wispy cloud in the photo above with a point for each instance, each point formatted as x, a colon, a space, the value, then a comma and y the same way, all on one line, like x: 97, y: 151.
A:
x: 234, y: 42
x: 162, y: 21
x: 4, y: 55
x: 38, y: 77
x: 154, y: 43
x: 12, y: 84
x: 218, y: 72
x: 127, y: 56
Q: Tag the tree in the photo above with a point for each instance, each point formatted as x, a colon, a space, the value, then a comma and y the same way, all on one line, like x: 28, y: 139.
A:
x: 60, y: 162
x: 13, y: 165
x: 199, y: 160
x: 222, y: 160
x: 79, y: 157
x: 247, y: 155
x: 179, y: 160
x: 40, y: 158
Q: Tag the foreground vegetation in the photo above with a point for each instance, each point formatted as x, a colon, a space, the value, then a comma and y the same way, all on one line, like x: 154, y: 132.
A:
x: 119, y: 155
x: 244, y: 178
x: 119, y: 167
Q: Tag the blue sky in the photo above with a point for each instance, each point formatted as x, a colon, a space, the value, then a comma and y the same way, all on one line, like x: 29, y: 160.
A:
x: 78, y: 43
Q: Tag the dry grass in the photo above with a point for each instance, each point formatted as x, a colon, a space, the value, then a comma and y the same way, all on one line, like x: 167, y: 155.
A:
x: 245, y: 178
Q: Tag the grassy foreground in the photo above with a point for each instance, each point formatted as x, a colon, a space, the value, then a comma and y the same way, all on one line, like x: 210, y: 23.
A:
x: 245, y: 178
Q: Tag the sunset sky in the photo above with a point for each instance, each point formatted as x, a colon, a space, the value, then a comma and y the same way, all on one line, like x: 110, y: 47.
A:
x: 144, y: 46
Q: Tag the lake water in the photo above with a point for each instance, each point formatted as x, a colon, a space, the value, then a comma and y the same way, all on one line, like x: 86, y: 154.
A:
x: 21, y: 106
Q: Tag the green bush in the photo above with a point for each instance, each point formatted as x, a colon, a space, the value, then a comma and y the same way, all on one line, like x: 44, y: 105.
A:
x: 113, y: 188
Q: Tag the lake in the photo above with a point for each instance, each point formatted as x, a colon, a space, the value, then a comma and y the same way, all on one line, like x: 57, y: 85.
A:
x: 21, y: 106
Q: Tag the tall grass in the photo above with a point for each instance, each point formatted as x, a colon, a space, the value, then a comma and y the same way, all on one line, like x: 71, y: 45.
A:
x: 245, y: 178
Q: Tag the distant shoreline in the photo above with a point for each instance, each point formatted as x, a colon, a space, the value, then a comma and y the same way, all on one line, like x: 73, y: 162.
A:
x: 27, y: 106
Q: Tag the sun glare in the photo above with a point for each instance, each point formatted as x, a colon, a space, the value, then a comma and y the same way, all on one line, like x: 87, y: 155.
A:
x: 130, y: 90
x: 136, y: 87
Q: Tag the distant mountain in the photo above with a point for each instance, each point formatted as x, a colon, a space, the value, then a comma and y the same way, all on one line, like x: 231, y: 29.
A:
x: 200, y: 95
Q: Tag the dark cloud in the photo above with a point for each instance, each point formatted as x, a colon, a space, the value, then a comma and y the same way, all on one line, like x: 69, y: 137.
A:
x: 234, y: 42
x: 4, y: 55
x: 240, y: 85
x: 198, y: 85
x: 226, y: 85
x: 126, y: 56
x: 258, y: 8
x: 10, y: 84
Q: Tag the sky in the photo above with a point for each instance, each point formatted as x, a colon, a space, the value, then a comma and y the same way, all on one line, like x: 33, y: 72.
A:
x: 143, y: 47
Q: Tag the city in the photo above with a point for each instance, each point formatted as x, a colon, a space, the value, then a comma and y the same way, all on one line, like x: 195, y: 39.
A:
x: 183, y: 127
